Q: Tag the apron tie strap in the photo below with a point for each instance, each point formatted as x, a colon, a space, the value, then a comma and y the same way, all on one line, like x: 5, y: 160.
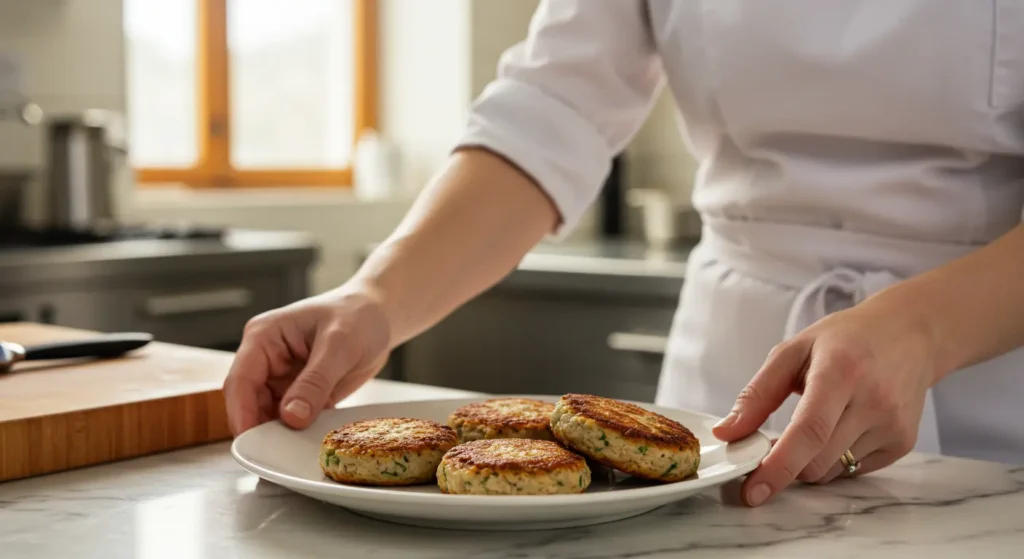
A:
x: 806, y: 260
x: 832, y: 291
x: 836, y: 290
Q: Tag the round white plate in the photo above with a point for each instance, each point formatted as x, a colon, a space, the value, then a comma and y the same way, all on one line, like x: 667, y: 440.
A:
x: 290, y: 458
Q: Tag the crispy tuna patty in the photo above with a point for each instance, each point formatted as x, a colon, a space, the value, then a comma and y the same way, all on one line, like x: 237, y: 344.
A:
x: 503, y: 418
x: 386, y: 451
x: 512, y: 467
x: 626, y: 437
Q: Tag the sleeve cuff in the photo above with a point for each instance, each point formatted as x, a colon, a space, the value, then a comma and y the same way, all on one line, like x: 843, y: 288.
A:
x: 547, y: 140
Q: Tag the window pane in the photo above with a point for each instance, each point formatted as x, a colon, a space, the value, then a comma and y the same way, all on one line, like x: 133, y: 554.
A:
x: 291, y: 83
x: 161, y: 80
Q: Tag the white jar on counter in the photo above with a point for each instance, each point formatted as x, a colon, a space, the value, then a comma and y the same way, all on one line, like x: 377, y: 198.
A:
x: 376, y: 168
x: 661, y: 227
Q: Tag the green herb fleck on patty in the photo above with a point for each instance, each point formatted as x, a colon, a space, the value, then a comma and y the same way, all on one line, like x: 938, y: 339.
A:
x: 604, y: 438
x: 581, y: 480
x: 670, y: 468
x: 400, y: 465
x: 387, y: 473
x: 642, y: 448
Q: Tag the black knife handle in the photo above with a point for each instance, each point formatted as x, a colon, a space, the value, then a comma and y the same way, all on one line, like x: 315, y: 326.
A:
x: 107, y: 345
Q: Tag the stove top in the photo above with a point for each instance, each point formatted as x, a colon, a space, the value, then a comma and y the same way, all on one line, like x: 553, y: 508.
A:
x: 42, y: 238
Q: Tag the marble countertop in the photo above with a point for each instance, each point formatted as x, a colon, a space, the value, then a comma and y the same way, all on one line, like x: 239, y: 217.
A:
x: 198, y: 503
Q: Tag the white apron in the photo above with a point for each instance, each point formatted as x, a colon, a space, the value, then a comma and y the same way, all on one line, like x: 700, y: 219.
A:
x: 749, y: 286
x: 843, y: 145
x: 842, y: 151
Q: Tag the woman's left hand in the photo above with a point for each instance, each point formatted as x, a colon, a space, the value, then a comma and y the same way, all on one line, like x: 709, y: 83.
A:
x: 862, y: 373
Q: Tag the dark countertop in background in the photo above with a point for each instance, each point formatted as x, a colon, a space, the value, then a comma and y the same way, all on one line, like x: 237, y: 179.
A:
x: 622, y: 258
x: 238, y: 249
x: 609, y: 267
x: 599, y: 267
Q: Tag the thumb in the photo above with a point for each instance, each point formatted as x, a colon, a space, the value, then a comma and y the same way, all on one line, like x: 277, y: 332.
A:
x: 769, y: 388
x: 332, y: 357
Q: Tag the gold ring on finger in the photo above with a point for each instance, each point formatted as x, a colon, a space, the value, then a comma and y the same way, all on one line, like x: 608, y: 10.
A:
x: 849, y: 462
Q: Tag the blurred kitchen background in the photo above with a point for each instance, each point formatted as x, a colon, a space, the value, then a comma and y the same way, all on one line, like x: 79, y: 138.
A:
x: 177, y: 167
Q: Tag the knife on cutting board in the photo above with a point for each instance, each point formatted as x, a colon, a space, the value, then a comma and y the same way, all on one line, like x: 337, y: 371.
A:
x: 98, y: 347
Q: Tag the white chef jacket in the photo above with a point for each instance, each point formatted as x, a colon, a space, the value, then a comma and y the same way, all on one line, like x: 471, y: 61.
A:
x: 844, y: 145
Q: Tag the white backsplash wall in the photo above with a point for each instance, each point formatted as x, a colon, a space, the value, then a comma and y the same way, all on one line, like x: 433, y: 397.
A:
x: 496, y: 25
x: 72, y: 55
x: 424, y: 80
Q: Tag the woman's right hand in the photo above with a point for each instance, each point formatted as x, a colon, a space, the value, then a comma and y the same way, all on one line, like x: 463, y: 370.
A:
x: 297, y: 360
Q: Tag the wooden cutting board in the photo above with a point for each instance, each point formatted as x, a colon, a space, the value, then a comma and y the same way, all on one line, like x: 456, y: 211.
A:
x: 59, y: 415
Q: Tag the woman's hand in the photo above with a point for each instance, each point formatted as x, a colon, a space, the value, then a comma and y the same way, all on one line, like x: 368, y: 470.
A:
x: 467, y: 230
x: 305, y: 357
x: 862, y: 373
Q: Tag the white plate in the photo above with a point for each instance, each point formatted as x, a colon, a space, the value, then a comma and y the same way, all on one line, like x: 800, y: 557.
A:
x: 290, y: 458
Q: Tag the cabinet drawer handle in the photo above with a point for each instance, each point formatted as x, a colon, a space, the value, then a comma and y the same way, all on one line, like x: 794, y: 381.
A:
x: 199, y: 301
x: 639, y: 343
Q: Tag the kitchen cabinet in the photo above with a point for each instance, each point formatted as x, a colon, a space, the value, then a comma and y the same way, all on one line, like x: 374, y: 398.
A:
x: 203, y: 311
x: 547, y: 338
x: 210, y: 311
x: 74, y: 308
x: 197, y: 294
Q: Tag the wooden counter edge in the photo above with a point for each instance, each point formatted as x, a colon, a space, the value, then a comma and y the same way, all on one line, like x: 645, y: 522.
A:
x: 54, y: 443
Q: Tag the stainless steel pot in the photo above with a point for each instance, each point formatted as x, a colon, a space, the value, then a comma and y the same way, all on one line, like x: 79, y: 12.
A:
x: 87, y: 159
x: 666, y: 221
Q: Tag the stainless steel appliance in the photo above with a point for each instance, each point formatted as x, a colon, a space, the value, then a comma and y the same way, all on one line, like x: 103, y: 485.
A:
x: 12, y: 188
x: 87, y: 165
x: 14, y: 107
x: 611, y: 201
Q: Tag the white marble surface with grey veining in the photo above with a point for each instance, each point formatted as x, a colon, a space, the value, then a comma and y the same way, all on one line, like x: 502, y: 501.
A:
x: 198, y: 503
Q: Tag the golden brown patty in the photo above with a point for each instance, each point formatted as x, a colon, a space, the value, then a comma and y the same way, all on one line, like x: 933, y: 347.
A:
x: 512, y: 467
x: 503, y: 418
x: 626, y: 437
x: 386, y: 451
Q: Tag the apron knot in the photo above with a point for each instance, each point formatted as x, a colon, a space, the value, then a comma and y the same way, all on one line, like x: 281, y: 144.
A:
x: 835, y: 290
x: 797, y: 258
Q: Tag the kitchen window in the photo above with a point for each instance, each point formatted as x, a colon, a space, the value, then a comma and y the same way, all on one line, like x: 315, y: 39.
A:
x: 248, y: 93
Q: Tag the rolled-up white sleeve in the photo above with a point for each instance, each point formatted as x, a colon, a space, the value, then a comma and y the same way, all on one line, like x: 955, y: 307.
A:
x: 570, y: 97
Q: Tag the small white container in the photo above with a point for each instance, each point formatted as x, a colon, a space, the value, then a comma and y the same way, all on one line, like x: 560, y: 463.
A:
x: 375, y: 173
x: 661, y: 227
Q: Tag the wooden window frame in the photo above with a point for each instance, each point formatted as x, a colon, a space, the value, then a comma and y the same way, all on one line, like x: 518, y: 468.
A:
x: 213, y: 165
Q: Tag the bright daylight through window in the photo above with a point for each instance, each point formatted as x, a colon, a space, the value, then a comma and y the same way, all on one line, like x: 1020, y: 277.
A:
x: 248, y: 92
